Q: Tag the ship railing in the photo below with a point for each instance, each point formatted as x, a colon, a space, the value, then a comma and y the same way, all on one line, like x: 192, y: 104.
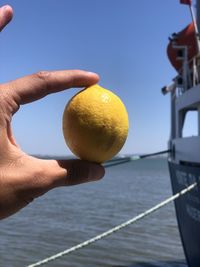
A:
x: 188, y: 76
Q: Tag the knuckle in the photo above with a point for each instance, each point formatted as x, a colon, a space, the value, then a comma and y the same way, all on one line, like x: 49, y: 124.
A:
x: 8, y: 102
x: 40, y: 182
x: 36, y: 186
x: 44, y: 78
x: 42, y: 75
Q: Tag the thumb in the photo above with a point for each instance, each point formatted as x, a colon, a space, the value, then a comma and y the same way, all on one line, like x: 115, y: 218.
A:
x: 72, y: 172
x: 6, y: 14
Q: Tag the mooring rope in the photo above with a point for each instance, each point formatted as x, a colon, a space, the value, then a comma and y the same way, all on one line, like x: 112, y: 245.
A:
x: 115, y: 229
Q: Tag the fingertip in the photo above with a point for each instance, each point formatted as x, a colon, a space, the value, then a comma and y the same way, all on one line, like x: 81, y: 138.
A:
x: 81, y: 78
x: 9, y: 11
x: 81, y: 171
x: 94, y: 76
x: 9, y: 14
x: 6, y: 15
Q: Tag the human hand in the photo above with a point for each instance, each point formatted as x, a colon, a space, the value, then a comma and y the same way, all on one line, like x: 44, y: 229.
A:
x: 23, y: 177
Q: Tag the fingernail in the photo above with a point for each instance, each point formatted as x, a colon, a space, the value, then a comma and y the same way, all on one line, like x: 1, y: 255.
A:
x: 7, y: 14
x: 92, y: 74
x: 7, y: 8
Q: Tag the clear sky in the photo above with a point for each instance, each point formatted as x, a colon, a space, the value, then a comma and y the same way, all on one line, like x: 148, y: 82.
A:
x: 124, y: 41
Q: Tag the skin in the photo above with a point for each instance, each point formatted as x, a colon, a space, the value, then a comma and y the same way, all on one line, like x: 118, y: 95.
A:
x: 22, y: 177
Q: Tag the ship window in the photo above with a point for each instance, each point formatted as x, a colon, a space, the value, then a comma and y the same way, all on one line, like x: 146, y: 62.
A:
x: 190, y: 126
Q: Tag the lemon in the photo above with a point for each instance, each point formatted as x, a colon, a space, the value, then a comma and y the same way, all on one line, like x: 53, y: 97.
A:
x: 95, y: 124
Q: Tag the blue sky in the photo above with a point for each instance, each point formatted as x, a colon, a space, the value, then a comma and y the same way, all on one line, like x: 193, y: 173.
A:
x: 124, y: 41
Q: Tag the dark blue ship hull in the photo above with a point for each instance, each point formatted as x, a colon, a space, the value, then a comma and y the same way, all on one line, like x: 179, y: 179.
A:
x: 187, y: 209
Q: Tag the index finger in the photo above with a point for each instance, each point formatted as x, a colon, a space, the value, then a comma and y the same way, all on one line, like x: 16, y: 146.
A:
x: 38, y: 85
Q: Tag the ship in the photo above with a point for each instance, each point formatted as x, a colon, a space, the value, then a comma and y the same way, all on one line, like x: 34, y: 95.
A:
x: 184, y: 156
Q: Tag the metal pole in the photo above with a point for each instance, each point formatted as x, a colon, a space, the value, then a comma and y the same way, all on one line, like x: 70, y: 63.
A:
x: 198, y: 14
x: 196, y: 23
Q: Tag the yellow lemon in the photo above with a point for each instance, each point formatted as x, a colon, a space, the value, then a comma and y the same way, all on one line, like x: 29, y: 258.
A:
x: 95, y: 124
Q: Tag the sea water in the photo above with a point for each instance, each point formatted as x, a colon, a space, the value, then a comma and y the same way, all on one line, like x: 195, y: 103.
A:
x: 67, y: 216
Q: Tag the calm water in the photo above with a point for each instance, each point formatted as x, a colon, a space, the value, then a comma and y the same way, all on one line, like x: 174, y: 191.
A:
x: 68, y: 216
